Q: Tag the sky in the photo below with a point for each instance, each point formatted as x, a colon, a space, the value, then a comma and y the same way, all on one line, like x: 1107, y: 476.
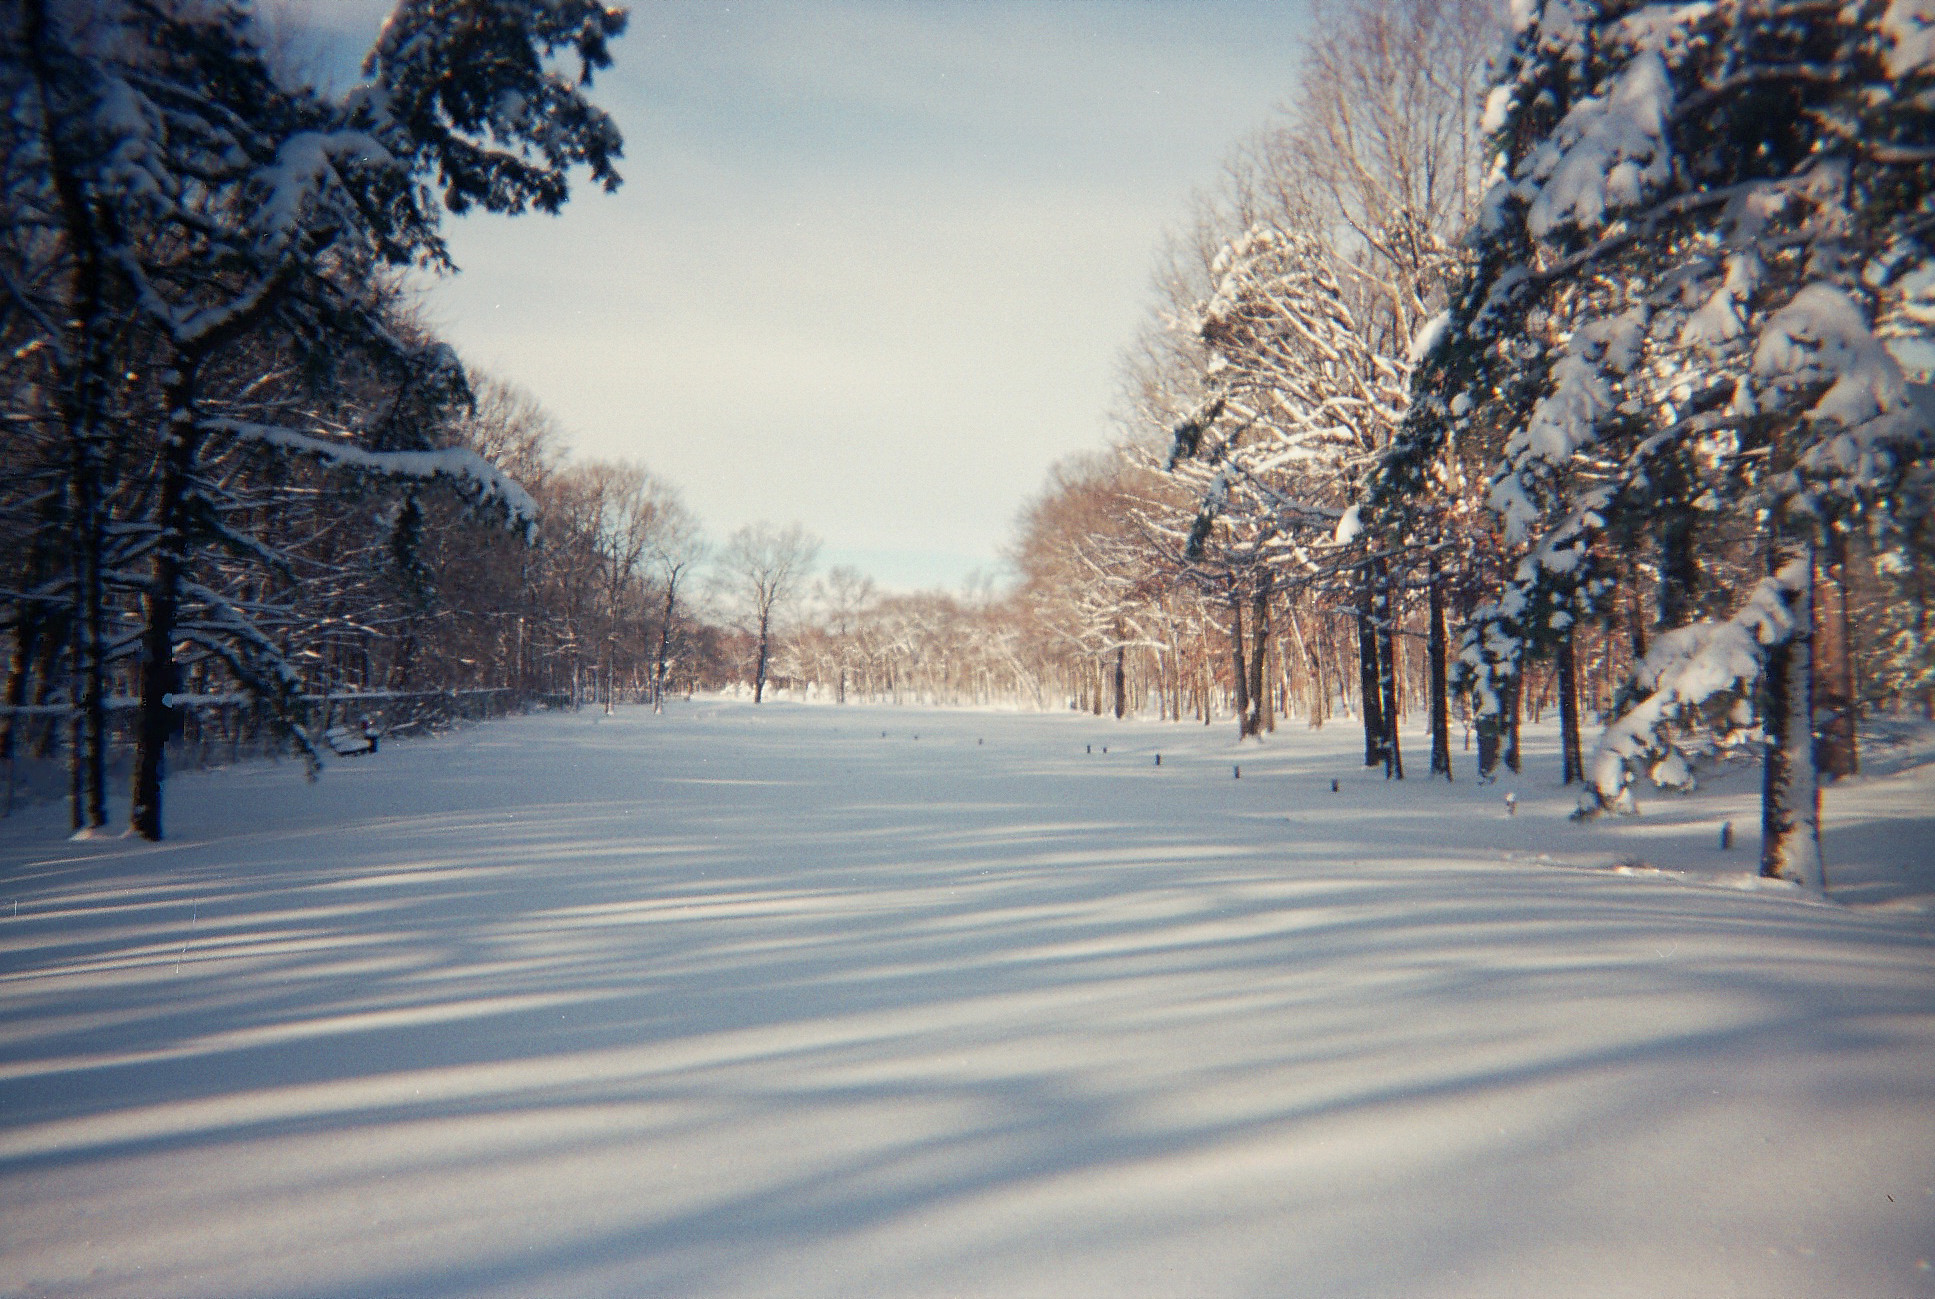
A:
x: 874, y: 264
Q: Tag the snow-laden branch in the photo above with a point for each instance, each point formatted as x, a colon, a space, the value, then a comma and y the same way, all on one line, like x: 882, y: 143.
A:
x: 1685, y: 672
x: 458, y: 464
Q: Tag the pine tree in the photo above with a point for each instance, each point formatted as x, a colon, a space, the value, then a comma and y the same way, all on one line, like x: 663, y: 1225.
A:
x: 1701, y: 218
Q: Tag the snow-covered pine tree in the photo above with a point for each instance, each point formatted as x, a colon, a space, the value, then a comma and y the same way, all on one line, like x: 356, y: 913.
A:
x: 1700, y: 217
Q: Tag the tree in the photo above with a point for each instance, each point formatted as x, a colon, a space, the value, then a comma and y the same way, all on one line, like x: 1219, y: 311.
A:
x: 626, y: 513
x: 844, y: 597
x: 765, y: 569
x: 677, y: 549
x: 1703, y: 220
x: 224, y: 213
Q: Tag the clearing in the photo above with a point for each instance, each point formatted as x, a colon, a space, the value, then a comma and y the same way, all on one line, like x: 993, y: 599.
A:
x: 757, y: 1001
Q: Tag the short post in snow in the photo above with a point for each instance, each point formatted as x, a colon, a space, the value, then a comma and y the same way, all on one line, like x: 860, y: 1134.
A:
x: 1158, y: 759
x: 1726, y: 835
x: 1333, y: 784
x: 1237, y: 767
x: 1511, y: 804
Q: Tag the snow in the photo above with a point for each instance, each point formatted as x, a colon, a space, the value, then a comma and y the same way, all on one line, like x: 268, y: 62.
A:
x: 1608, y: 153
x: 757, y: 1001
x: 461, y: 465
x: 1821, y: 335
x: 1909, y: 26
x: 1684, y: 669
x: 1426, y: 340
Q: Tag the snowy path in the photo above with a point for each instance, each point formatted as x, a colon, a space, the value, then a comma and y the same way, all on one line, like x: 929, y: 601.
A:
x: 746, y: 1002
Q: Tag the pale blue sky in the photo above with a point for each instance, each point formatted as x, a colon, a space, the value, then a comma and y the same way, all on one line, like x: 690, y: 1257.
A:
x: 874, y: 263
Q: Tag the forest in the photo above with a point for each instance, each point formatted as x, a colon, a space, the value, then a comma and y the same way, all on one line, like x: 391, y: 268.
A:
x: 1570, y: 361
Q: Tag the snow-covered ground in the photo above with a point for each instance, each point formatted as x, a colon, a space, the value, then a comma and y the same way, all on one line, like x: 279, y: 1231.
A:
x: 743, y: 1001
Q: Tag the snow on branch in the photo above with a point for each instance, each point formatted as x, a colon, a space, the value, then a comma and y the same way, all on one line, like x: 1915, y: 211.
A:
x: 459, y: 464
x: 1607, y: 154
x: 1684, y: 674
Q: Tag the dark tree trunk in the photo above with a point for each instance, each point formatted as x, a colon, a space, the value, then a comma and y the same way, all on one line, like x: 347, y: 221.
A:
x: 1636, y: 616
x: 1262, y: 713
x: 1386, y: 624
x: 1514, y: 706
x: 1679, y: 572
x: 1572, y: 761
x: 1836, y: 752
x: 665, y: 651
x: 156, y: 721
x: 759, y: 670
x: 1440, y: 688
x: 1367, y: 675
x: 1790, y: 799
x: 83, y: 394
x: 26, y: 641
x: 1490, y: 732
x: 1121, y: 677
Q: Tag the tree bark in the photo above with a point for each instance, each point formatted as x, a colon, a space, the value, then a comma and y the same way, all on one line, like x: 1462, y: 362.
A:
x: 759, y: 670
x: 1440, y: 687
x: 1263, y: 716
x: 1121, y: 674
x: 1571, y: 760
x: 1386, y: 626
x: 82, y: 400
x: 665, y: 651
x: 1790, y: 799
x: 1367, y: 675
x: 1514, y: 708
x: 1836, y: 752
x: 156, y: 721
x: 1242, y: 675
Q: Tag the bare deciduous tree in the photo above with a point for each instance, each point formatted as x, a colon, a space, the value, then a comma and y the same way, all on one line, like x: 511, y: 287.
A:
x: 763, y: 569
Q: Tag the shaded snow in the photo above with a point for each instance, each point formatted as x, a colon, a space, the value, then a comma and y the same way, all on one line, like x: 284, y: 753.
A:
x: 744, y: 1001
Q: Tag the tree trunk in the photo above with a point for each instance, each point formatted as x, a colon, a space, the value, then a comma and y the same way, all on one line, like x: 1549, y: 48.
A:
x: 1491, y: 730
x: 664, y: 650
x: 82, y: 397
x: 1368, y: 692
x: 1440, y: 687
x: 1572, y: 761
x: 157, y: 721
x: 1263, y: 715
x: 1386, y: 626
x: 1514, y: 700
x: 1242, y: 675
x: 1790, y: 798
x: 759, y: 669
x: 1835, y: 747
x: 1679, y: 573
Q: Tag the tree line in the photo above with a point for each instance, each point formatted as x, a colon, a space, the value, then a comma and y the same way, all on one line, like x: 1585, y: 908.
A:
x: 229, y: 445
x: 1572, y: 361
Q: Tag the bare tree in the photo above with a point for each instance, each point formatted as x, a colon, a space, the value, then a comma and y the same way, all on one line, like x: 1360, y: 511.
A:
x: 763, y: 569
x: 627, y: 511
x: 844, y: 597
x: 676, y: 550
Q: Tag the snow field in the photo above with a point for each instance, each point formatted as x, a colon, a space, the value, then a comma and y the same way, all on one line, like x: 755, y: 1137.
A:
x: 755, y: 1001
